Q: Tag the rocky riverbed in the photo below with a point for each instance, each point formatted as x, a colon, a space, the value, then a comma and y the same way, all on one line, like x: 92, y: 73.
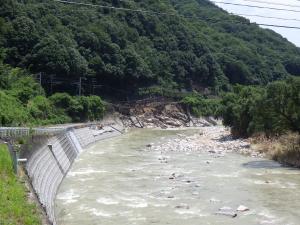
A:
x: 215, y: 140
x: 211, y: 137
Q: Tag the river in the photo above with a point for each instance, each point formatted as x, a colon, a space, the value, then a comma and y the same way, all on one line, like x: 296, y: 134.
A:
x: 119, y: 181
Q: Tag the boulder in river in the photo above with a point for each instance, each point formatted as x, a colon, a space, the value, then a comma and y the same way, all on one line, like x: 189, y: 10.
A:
x: 173, y: 176
x: 242, y: 208
x: 226, y: 211
x: 182, y: 206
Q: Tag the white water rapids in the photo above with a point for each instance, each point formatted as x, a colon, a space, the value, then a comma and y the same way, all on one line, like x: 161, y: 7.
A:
x: 120, y: 181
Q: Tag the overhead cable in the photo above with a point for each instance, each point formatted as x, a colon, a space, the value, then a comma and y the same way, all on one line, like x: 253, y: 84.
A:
x: 163, y: 13
x: 267, y: 17
x: 256, y: 6
x: 272, y: 3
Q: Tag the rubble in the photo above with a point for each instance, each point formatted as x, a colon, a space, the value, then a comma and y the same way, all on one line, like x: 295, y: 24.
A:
x: 211, y: 136
x: 153, y: 115
x: 214, y: 140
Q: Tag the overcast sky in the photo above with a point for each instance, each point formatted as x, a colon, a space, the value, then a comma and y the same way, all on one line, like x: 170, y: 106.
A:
x: 292, y: 35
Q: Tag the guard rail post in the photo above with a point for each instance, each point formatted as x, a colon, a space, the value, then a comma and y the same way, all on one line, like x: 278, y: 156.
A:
x: 15, y: 160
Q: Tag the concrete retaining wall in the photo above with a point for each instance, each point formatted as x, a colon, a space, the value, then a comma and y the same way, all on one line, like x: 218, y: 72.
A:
x: 50, y: 158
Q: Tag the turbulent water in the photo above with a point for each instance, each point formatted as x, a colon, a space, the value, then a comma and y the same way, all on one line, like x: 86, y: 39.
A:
x: 120, y: 181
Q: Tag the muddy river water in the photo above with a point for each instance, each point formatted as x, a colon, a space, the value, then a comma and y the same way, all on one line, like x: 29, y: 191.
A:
x: 120, y: 181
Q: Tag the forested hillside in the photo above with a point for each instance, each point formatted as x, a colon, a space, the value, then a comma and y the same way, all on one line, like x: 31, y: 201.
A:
x: 24, y: 102
x: 197, y: 45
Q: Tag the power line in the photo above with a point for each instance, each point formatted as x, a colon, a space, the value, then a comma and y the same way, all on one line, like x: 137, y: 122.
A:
x: 164, y: 13
x: 255, y: 1
x: 271, y: 3
x: 279, y: 26
x: 267, y: 17
x: 256, y: 6
x: 115, y: 8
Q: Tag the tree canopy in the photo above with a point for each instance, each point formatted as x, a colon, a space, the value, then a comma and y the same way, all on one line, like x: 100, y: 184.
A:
x: 198, y: 46
x: 273, y: 110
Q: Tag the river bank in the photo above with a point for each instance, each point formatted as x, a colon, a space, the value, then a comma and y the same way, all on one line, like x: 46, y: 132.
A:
x: 211, y: 136
x: 284, y: 149
x: 161, y: 115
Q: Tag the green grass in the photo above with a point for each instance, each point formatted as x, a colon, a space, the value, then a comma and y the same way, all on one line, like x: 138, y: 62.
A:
x: 14, y: 206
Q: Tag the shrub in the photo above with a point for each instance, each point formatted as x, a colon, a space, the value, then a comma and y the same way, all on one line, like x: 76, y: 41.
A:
x: 12, y: 113
x: 93, y: 108
x: 201, y: 106
x: 43, y: 112
x: 84, y: 108
x: 273, y: 110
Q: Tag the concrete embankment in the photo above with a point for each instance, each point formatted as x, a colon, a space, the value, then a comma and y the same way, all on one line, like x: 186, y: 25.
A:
x: 50, y: 158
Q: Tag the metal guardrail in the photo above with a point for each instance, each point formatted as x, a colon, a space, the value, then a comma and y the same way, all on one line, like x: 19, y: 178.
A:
x: 14, y: 132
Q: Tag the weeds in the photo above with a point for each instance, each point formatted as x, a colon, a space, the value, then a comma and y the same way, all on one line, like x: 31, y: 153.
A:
x: 284, y: 149
x: 14, y: 206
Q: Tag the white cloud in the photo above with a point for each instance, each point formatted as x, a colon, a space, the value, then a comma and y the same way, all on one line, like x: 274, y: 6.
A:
x: 292, y: 35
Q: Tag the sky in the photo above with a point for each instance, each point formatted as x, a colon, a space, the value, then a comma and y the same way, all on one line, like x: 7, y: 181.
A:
x: 293, y: 35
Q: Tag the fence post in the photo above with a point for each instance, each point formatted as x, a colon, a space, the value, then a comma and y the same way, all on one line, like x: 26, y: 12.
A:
x: 13, y: 154
x: 15, y: 161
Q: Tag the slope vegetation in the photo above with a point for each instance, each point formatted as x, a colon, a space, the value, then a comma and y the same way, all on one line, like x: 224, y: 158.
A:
x: 14, y: 205
x: 196, y: 45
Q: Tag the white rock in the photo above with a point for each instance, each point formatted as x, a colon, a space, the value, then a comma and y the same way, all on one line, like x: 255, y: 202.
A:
x: 226, y: 211
x: 242, y: 208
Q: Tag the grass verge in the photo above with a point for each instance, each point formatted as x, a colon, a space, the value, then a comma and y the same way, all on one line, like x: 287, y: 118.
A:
x: 15, y: 208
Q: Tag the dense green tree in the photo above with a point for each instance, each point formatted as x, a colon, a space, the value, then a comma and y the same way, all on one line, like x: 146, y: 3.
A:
x: 40, y: 107
x: 293, y: 66
x: 199, y: 106
x: 199, y: 47
x: 23, y: 102
x: 52, y: 56
x: 12, y: 113
x: 237, y: 109
x: 283, y: 100
x: 84, y: 108
x: 272, y: 110
x: 18, y: 83
x: 130, y: 50
x: 93, y: 108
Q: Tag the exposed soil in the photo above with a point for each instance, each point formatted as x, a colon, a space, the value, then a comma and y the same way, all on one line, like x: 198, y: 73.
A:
x: 160, y: 114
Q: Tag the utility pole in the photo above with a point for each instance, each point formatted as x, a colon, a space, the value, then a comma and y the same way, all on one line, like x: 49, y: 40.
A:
x: 80, y: 84
x: 40, y: 81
